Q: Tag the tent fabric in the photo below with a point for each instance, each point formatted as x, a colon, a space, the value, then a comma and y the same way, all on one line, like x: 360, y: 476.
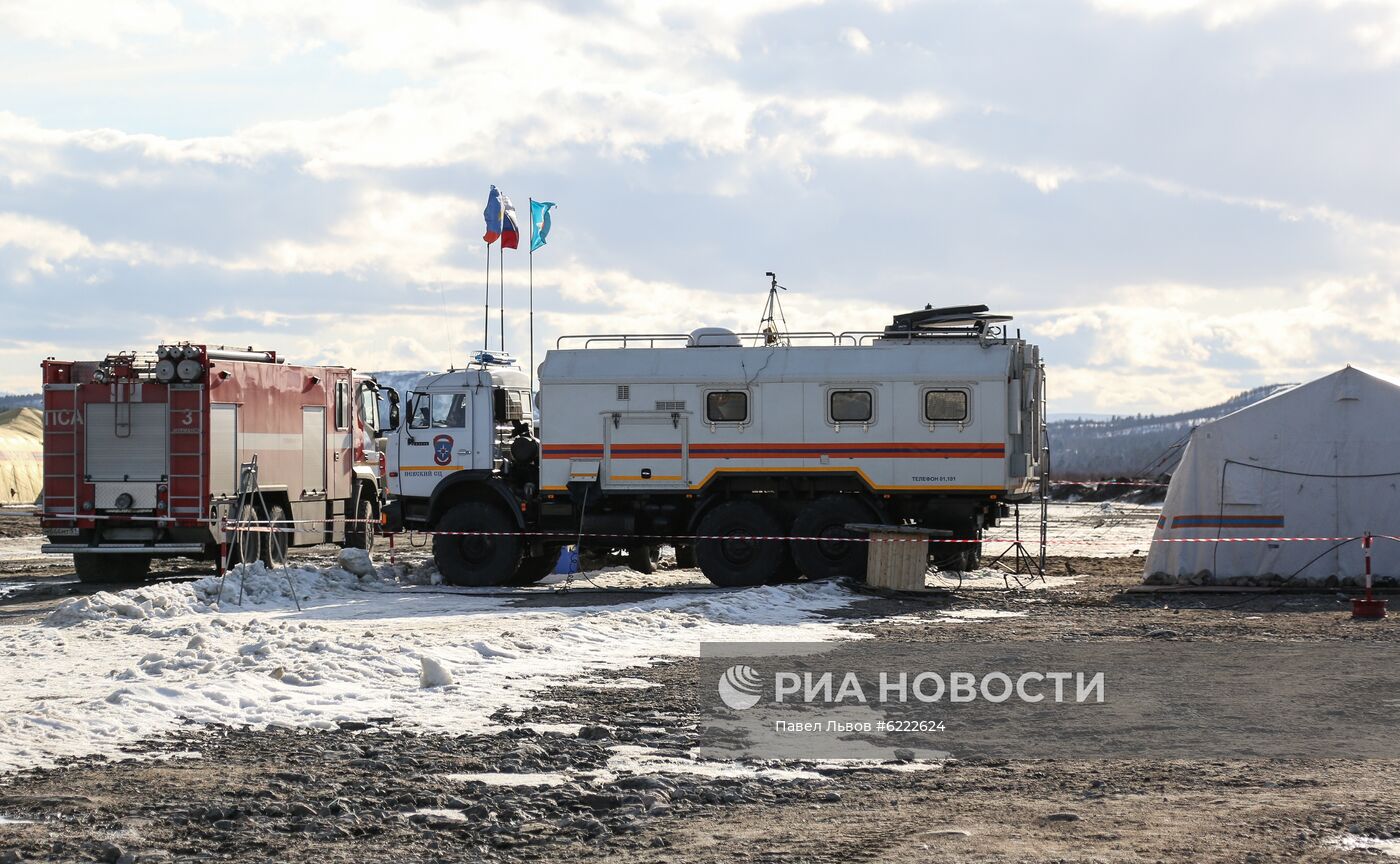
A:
x: 1319, y: 460
x: 21, y: 456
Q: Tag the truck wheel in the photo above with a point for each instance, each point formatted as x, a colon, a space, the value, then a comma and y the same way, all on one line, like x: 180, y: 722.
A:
x: 245, y: 546
x: 477, y: 560
x: 740, y: 561
x: 534, y: 569
x: 360, y: 535
x: 275, y: 549
x: 831, y: 556
x: 106, y: 569
x: 644, y: 559
x: 788, y: 571
x: 685, y: 556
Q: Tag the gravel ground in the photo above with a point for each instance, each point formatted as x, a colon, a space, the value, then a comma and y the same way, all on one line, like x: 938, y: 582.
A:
x: 619, y: 783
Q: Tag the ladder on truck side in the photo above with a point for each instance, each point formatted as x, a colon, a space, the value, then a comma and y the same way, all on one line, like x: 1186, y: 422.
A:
x: 61, y: 452
x: 187, y: 494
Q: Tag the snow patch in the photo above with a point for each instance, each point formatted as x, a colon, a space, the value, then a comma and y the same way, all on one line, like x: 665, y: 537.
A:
x: 951, y: 615
x: 494, y: 778
x: 442, y: 814
x: 1388, y: 848
x: 107, y: 671
x: 633, y: 759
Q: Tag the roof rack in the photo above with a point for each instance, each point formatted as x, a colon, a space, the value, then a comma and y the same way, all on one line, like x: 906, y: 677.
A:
x: 650, y: 340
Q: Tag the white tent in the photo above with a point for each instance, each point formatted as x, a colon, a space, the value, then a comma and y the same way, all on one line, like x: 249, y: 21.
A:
x: 21, y: 456
x: 1319, y: 460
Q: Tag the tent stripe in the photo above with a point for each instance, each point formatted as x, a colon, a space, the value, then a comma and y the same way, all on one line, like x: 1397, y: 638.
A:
x: 1212, y: 520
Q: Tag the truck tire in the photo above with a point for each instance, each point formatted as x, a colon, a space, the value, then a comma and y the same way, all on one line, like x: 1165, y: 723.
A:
x: 360, y: 535
x: 644, y: 559
x: 246, y: 546
x: 107, y: 569
x: 827, y: 518
x: 477, y: 561
x: 740, y: 562
x: 533, y: 569
x: 788, y: 571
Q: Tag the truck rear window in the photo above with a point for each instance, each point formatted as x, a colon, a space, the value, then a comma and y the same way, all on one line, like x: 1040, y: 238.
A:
x: 945, y: 405
x: 727, y: 406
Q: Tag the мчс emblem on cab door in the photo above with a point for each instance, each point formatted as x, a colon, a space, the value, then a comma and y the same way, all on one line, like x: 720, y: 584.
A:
x: 442, y: 449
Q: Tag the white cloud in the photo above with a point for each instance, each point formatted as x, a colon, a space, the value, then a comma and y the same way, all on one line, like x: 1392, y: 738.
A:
x: 859, y: 42
x: 712, y: 106
x: 106, y: 24
x: 1379, y: 32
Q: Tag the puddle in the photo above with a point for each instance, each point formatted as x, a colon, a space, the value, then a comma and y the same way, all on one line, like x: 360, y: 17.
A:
x: 492, y: 778
x: 9, y: 589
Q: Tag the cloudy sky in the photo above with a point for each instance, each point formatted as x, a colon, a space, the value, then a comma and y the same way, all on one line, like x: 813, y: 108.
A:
x: 1177, y: 199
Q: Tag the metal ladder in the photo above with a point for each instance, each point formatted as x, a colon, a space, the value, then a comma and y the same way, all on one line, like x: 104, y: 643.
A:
x: 248, y: 492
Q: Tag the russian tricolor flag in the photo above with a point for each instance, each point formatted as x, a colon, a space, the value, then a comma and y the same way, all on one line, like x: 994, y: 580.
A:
x: 500, y: 221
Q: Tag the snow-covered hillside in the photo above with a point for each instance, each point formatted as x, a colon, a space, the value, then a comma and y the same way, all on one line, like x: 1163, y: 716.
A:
x: 1144, y: 445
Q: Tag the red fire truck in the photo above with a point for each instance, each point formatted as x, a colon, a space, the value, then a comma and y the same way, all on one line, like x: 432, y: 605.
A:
x: 143, y: 455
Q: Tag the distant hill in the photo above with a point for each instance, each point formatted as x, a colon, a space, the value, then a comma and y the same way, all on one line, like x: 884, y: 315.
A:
x: 1143, y: 445
x: 400, y: 380
x: 21, y: 400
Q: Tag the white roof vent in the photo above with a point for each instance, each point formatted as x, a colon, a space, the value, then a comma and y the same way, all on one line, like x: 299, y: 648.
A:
x: 713, y: 337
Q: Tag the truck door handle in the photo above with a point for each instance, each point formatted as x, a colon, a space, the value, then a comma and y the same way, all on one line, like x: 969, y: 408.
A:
x: 464, y: 452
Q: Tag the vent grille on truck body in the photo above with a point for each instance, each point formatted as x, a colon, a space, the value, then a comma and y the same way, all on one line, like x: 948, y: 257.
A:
x: 670, y: 406
x: 126, y: 441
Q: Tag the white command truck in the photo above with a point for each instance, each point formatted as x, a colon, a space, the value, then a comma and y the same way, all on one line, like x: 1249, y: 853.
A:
x: 705, y: 443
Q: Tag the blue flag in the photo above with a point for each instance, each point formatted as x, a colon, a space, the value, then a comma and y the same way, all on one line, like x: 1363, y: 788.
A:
x: 539, y: 222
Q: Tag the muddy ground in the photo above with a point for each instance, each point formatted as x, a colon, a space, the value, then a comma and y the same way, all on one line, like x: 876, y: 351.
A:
x: 374, y: 791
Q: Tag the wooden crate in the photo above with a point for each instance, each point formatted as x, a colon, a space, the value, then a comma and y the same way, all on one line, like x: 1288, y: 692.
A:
x: 898, y: 559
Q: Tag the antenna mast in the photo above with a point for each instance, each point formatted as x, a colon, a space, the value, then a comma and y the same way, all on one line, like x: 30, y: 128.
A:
x: 773, y: 325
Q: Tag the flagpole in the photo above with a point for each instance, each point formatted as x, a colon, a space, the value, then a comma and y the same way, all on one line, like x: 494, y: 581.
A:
x: 486, y: 318
x: 502, y: 270
x: 532, y: 308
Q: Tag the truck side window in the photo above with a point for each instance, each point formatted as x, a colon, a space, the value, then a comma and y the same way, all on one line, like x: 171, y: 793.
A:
x: 727, y: 406
x: 368, y: 410
x: 420, y: 419
x: 945, y: 406
x: 342, y: 405
x: 852, y: 406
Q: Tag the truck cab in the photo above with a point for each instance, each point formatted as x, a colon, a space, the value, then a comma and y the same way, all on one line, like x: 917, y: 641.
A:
x: 464, y: 456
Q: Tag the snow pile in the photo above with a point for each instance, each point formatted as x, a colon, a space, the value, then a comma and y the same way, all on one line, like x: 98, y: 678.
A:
x: 355, y: 561
x: 132, y: 664
x: 162, y: 600
x: 434, y: 674
x: 249, y: 586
